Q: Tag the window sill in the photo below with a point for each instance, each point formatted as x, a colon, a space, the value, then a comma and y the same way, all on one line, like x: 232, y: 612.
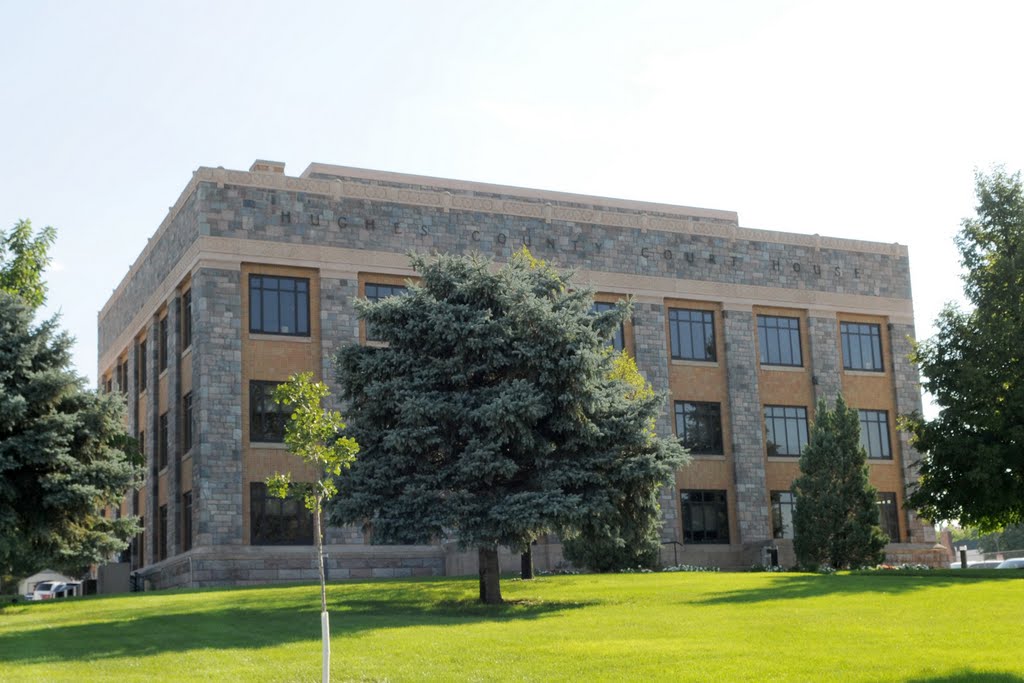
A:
x: 695, y: 363
x: 269, y: 445
x: 293, y: 338
x: 707, y: 456
x: 783, y: 368
x: 783, y: 458
x: 187, y: 351
x: 163, y: 373
x: 864, y: 373
x: 881, y: 461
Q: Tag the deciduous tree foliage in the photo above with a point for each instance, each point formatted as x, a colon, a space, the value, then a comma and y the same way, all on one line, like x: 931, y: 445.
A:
x: 23, y: 256
x: 490, y: 415
x: 315, y: 434
x: 64, y: 454
x: 972, y: 466
x: 835, y: 521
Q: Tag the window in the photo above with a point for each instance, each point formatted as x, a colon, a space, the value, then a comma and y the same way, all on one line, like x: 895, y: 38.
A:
x: 779, y: 339
x: 162, y: 348
x: 186, y: 319
x: 161, y: 444
x: 267, y: 419
x: 874, y: 433
x: 862, y: 346
x: 161, y: 541
x: 705, y: 517
x: 186, y: 521
x: 783, y: 504
x: 142, y: 365
x: 376, y: 292
x: 122, y: 376
x: 186, y: 422
x: 108, y: 386
x: 618, y: 340
x: 276, y: 521
x: 786, y: 428
x: 699, y: 426
x: 279, y: 305
x: 888, y: 516
x: 692, y: 334
x: 142, y: 450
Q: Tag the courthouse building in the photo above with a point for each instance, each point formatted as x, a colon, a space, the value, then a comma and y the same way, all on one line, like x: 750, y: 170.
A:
x: 252, y: 277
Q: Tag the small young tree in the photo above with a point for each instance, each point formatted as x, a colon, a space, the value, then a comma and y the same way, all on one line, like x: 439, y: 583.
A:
x: 835, y: 521
x: 314, y: 433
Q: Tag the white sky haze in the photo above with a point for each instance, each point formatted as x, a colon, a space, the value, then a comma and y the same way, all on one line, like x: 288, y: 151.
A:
x: 862, y: 120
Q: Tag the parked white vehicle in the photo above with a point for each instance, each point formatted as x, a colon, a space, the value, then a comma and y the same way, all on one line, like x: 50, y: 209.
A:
x: 1015, y: 563
x: 48, y: 590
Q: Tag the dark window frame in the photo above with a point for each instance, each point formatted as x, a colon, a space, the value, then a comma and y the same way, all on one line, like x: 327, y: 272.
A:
x: 161, y: 533
x: 185, y: 529
x: 186, y: 319
x: 875, y: 423
x: 789, y: 414
x: 705, y: 505
x: 618, y: 340
x: 380, y: 291
x: 276, y: 521
x: 853, y: 354
x: 779, y: 328
x: 710, y: 414
x: 782, y: 500
x: 888, y: 515
x: 300, y: 306
x: 266, y: 426
x: 143, y: 376
x: 162, y: 348
x: 682, y: 320
x: 187, y: 418
x: 163, y: 438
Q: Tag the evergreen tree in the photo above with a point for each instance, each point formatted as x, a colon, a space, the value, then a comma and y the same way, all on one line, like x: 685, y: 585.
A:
x: 490, y: 414
x: 627, y: 535
x: 972, y: 468
x: 835, y: 521
x: 64, y: 454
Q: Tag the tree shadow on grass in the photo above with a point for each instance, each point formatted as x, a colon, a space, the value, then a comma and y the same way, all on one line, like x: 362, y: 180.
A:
x: 248, y: 625
x: 971, y: 676
x: 802, y: 586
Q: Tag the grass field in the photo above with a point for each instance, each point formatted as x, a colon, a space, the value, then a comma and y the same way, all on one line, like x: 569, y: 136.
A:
x: 942, y: 626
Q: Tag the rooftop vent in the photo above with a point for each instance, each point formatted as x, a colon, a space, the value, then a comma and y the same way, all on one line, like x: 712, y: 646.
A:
x: 264, y: 166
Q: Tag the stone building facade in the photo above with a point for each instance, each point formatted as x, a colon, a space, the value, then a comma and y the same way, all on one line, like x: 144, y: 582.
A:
x: 252, y: 275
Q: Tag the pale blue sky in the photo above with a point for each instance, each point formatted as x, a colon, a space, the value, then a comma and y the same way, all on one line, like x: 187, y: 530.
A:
x: 862, y: 120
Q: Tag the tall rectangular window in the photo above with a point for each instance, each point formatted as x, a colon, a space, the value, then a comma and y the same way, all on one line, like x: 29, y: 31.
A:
x: 161, y: 541
x: 779, y: 339
x: 786, y: 430
x: 618, y: 340
x: 143, y: 374
x: 162, y: 349
x: 874, y: 434
x: 186, y: 422
x: 862, y: 346
x: 186, y: 319
x: 279, y: 305
x: 161, y: 445
x: 692, y: 334
x: 276, y: 521
x: 375, y: 292
x: 267, y: 419
x: 705, y: 516
x: 783, y: 504
x: 186, y: 521
x: 888, y: 516
x: 699, y: 426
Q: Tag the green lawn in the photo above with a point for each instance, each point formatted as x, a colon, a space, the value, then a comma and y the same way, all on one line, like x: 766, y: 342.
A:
x: 943, y: 626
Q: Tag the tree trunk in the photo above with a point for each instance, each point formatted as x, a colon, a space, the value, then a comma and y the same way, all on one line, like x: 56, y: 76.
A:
x: 325, y: 629
x: 526, y: 561
x: 490, y: 588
